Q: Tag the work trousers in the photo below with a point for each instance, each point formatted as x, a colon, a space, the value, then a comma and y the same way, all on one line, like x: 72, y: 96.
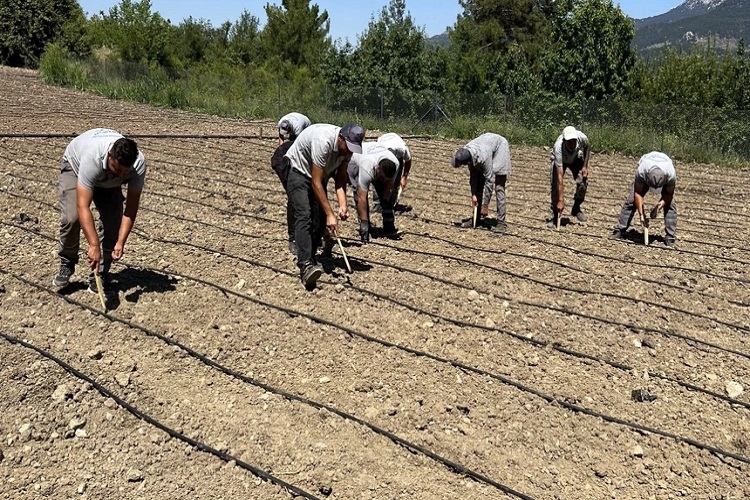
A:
x: 576, y: 170
x: 628, y: 210
x: 309, y: 217
x: 109, y: 204
x: 281, y: 166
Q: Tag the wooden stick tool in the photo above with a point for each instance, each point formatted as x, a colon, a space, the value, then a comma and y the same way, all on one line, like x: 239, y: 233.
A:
x: 99, y: 289
x: 341, y: 247
x: 474, y: 219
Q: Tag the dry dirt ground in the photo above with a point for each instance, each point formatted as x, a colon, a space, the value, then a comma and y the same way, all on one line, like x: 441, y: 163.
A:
x: 452, y: 363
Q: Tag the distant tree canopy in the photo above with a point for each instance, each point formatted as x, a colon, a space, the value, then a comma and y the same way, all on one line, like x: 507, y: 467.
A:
x: 567, y: 48
x: 27, y: 26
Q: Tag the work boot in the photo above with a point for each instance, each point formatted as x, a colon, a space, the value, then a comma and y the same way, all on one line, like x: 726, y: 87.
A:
x: 63, y: 275
x: 670, y: 241
x: 107, y: 289
x: 582, y: 217
x: 616, y: 235
x: 389, y: 230
x: 293, y: 247
x: 500, y: 229
x: 310, y: 273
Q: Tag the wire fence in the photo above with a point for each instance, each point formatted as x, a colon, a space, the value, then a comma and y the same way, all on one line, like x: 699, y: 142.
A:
x: 613, y: 125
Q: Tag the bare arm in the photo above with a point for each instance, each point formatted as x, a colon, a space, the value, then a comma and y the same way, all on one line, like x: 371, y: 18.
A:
x: 560, y: 187
x: 84, y: 197
x: 320, y: 195
x: 362, y: 203
x: 639, y: 189
x: 667, y: 195
x: 340, y: 181
x: 132, y: 202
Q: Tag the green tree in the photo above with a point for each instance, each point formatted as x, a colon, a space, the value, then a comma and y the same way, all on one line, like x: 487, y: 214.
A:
x: 296, y: 33
x: 391, y: 52
x: 244, y: 40
x: 137, y: 34
x: 27, y: 26
x: 590, y: 55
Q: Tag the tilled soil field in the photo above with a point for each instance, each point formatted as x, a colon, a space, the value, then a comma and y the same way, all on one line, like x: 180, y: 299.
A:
x: 452, y: 363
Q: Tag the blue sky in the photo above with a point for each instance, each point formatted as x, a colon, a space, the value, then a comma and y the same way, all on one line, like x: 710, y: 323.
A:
x: 346, y: 21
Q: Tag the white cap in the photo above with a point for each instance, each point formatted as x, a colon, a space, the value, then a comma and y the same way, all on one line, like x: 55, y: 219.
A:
x: 569, y: 133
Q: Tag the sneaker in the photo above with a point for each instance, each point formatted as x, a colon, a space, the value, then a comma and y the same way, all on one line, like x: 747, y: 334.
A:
x: 293, y: 247
x: 616, y: 235
x: 310, y: 274
x: 500, y: 229
x: 552, y: 223
x: 63, y: 275
x: 107, y: 287
x: 670, y: 241
x: 582, y: 217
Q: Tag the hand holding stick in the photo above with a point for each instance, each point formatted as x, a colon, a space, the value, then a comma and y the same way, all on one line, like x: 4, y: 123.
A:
x: 99, y: 289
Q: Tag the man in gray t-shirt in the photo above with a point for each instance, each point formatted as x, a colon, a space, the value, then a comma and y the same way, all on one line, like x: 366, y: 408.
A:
x: 376, y: 167
x: 290, y: 126
x: 488, y: 159
x: 321, y: 151
x: 571, y: 151
x: 655, y: 172
x: 94, y: 167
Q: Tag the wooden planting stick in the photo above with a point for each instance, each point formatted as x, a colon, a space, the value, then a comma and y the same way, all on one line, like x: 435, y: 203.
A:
x: 474, y: 219
x: 559, y: 217
x: 644, y: 223
x: 341, y: 247
x: 98, y: 280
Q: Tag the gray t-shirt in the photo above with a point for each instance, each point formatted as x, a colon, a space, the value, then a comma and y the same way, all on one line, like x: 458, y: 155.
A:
x: 297, y: 123
x: 491, y: 154
x: 562, y: 156
x: 87, y: 155
x: 316, y: 145
x: 361, y: 168
x: 653, y: 160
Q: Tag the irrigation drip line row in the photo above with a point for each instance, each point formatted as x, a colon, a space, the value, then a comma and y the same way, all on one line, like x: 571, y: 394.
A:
x: 416, y: 352
x: 260, y: 473
x: 534, y: 342
x: 245, y: 186
x: 409, y: 446
x: 534, y: 280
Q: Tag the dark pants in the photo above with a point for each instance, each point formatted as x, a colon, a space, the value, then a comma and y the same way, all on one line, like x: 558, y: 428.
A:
x: 387, y: 206
x: 109, y: 204
x: 309, y: 218
x: 628, y: 210
x: 281, y: 167
x: 576, y: 170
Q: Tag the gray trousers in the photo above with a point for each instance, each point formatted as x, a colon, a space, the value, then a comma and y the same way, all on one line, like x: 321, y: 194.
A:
x: 576, y: 170
x: 476, y: 180
x: 628, y: 210
x: 109, y: 204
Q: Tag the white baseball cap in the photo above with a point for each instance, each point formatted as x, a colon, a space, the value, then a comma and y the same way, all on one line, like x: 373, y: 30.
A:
x: 569, y: 133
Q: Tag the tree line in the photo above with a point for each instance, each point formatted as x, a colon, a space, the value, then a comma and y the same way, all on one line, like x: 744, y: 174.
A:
x: 578, y: 49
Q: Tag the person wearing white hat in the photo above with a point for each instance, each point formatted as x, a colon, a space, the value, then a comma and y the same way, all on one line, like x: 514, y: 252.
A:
x: 290, y: 126
x: 571, y: 151
x: 656, y: 173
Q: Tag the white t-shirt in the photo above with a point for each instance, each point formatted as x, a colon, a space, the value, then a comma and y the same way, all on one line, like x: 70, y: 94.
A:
x: 87, y: 155
x: 297, y: 121
x: 316, y: 145
x: 561, y: 156
x: 362, y: 167
x: 491, y: 153
x: 396, y: 145
x: 653, y: 160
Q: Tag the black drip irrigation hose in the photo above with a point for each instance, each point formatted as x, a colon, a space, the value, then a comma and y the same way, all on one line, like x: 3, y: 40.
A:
x: 416, y: 352
x: 139, y: 136
x: 534, y: 342
x: 264, y: 475
x: 414, y: 448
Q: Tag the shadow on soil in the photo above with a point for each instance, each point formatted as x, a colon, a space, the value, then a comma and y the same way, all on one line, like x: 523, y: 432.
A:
x: 142, y: 281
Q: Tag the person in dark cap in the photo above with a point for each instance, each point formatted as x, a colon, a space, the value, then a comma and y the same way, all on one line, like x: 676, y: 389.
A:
x: 488, y: 159
x: 570, y: 151
x: 655, y: 173
x: 376, y: 166
x: 321, y: 151
x: 290, y: 126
